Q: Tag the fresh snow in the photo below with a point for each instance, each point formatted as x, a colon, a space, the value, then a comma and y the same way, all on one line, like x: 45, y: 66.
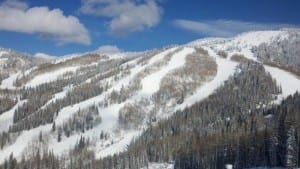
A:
x: 119, y: 146
x: 50, y: 76
x: 258, y: 37
x: 109, y: 118
x: 22, y: 142
x: 6, y: 118
x: 248, y: 39
x: 9, y: 82
x: 289, y: 83
x: 241, y: 44
x: 151, y: 83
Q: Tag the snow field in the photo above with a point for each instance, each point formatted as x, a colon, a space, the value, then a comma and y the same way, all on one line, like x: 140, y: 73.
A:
x: 289, y: 83
x: 9, y: 82
x: 50, y: 76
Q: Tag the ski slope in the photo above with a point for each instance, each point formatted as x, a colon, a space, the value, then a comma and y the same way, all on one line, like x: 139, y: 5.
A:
x: 9, y: 82
x: 289, y: 83
x: 152, y: 82
x: 6, y: 118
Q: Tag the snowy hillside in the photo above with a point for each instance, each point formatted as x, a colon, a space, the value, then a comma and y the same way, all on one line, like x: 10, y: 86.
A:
x: 111, y: 98
x: 13, y: 63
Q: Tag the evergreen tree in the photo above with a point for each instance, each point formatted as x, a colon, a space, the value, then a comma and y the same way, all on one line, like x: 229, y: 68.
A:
x: 292, y: 149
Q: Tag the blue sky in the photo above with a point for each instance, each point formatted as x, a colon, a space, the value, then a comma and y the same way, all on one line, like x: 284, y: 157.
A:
x: 59, y: 27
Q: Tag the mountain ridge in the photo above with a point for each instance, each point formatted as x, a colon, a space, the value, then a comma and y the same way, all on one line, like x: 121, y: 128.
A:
x: 120, y: 93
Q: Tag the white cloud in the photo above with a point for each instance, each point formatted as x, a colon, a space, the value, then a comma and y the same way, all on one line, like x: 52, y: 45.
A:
x: 127, y: 16
x: 16, y: 16
x: 225, y: 28
x: 108, y: 49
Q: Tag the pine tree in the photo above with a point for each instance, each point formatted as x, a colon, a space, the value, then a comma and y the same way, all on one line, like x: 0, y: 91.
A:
x: 41, y: 136
x: 12, y: 162
x: 58, y: 136
x: 53, y: 127
x: 292, y: 152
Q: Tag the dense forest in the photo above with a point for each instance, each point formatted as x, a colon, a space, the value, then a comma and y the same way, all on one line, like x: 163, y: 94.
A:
x: 284, y: 53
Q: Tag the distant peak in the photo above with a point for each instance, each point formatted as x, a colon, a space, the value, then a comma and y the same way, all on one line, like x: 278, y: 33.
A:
x: 44, y: 56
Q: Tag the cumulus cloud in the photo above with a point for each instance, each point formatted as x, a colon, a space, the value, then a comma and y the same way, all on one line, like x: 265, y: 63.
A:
x: 16, y: 16
x: 108, y: 49
x: 126, y: 16
x: 225, y: 28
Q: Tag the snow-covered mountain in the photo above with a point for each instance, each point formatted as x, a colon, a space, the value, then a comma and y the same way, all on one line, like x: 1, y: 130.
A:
x: 13, y: 63
x: 110, y: 98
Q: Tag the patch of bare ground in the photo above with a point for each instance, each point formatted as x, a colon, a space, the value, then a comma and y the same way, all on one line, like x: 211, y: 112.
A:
x: 239, y: 58
x: 131, y: 115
